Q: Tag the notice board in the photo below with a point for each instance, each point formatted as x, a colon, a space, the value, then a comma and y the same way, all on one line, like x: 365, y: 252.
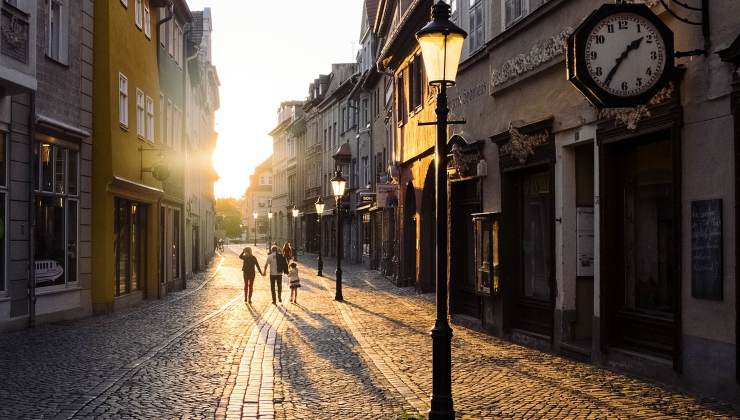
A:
x: 706, y: 249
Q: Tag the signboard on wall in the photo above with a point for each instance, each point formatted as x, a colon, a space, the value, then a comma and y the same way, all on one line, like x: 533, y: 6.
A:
x: 706, y: 249
x: 585, y: 241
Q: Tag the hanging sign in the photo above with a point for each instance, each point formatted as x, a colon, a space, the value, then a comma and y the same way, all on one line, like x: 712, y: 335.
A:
x: 620, y: 56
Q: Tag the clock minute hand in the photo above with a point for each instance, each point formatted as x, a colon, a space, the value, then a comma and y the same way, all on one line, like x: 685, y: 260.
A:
x: 632, y: 46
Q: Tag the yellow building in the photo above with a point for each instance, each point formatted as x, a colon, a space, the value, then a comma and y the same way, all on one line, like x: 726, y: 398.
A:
x: 126, y: 189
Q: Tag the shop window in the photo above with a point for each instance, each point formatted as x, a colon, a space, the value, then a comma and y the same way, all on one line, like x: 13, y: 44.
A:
x: 130, y: 246
x: 56, y: 214
x: 648, y: 228
x: 3, y: 207
x: 487, y: 268
x: 366, y: 235
x: 536, y: 235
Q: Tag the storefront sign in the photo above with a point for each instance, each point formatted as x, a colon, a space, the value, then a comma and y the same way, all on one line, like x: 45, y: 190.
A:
x: 585, y: 241
x: 706, y: 249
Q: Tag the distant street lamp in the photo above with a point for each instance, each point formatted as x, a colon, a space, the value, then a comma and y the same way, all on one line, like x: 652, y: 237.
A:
x: 320, y: 211
x: 441, y: 43
x: 255, y: 215
x: 338, y: 185
x: 296, y: 212
x: 269, y: 227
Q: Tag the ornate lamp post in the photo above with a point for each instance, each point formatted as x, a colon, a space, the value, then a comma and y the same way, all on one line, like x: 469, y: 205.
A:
x: 320, y: 211
x: 295, y: 212
x: 338, y: 185
x: 269, y: 227
x: 441, y: 45
x: 255, y: 215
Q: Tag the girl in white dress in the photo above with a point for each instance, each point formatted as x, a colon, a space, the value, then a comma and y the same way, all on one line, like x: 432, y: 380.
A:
x: 295, y: 282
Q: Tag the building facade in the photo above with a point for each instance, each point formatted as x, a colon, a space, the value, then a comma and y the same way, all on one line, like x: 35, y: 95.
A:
x: 171, y: 59
x: 202, y: 100
x: 284, y: 168
x: 127, y: 168
x: 258, y: 200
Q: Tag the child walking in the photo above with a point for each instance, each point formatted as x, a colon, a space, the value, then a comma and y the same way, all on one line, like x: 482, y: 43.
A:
x: 295, y: 282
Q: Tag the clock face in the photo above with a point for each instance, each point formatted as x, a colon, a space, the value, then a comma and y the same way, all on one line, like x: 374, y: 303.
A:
x: 625, y: 54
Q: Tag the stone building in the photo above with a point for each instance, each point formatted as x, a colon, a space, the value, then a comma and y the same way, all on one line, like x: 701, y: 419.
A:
x: 202, y: 100
x: 171, y: 59
x: 284, y: 168
x: 258, y: 199
x: 46, y: 132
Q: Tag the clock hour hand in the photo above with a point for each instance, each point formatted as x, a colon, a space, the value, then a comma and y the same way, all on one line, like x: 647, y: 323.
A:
x: 632, y: 46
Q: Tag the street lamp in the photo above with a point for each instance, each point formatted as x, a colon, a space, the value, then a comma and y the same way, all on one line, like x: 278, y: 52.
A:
x: 441, y: 43
x: 296, y: 212
x: 320, y: 211
x: 269, y: 227
x: 338, y: 185
x: 255, y: 215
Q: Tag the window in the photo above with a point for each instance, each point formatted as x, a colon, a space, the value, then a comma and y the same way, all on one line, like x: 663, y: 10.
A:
x: 162, y: 118
x: 56, y: 213
x: 401, y: 100
x: 147, y: 20
x: 416, y: 86
x: 179, y: 45
x: 477, y: 32
x: 130, y: 246
x: 3, y: 207
x: 171, y: 38
x: 162, y: 28
x: 149, y: 119
x: 122, y: 100
x: 168, y: 139
x: 365, y: 118
x: 513, y: 11
x: 138, y: 14
x: 57, y: 32
x: 140, y: 118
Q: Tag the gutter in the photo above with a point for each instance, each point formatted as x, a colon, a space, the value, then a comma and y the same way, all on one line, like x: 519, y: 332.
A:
x: 170, y: 14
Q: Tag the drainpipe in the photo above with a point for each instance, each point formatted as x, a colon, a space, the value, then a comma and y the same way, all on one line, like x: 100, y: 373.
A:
x: 31, y: 217
x: 170, y: 14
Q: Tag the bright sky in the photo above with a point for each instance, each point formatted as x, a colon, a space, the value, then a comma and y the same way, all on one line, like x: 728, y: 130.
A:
x: 267, y: 52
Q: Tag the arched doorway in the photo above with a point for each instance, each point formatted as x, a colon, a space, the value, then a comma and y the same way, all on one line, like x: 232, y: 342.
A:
x: 427, y: 258
x: 408, y: 262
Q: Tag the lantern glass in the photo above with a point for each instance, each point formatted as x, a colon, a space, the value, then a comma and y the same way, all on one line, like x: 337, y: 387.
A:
x: 338, y: 184
x: 254, y: 215
x: 441, y: 53
x: 295, y: 212
x: 269, y: 215
x: 319, y: 206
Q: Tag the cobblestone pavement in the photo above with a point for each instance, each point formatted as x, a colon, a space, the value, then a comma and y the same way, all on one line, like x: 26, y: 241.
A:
x: 204, y: 353
x: 493, y: 378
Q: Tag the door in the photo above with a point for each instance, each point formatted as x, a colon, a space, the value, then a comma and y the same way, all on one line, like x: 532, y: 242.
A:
x: 465, y: 201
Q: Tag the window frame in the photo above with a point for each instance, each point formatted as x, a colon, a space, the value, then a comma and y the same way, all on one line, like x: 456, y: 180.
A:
x: 124, y: 3
x: 149, y: 118
x: 139, y: 14
x: 505, y: 23
x: 4, y: 199
x: 140, y: 114
x: 123, y: 115
x: 478, y: 34
x: 147, y: 20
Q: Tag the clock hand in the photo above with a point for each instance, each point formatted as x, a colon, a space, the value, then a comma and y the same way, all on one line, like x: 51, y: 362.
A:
x: 632, y: 46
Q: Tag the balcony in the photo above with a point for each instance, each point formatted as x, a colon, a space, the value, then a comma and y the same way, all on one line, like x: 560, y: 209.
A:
x: 17, y: 48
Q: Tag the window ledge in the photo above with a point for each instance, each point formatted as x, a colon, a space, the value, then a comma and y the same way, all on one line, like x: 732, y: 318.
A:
x: 56, y: 290
x: 56, y: 61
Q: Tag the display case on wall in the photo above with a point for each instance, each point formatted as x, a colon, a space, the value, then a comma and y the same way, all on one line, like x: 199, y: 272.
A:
x: 486, y: 230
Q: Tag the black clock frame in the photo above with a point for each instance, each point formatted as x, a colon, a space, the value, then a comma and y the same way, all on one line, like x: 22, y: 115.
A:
x: 577, y: 72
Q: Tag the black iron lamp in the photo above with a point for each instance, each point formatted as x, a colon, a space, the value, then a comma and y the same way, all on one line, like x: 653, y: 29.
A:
x: 320, y: 211
x: 338, y: 185
x: 441, y: 43
x: 296, y: 213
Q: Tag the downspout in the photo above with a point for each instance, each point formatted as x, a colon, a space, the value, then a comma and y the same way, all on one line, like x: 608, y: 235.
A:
x: 31, y: 217
x: 170, y: 14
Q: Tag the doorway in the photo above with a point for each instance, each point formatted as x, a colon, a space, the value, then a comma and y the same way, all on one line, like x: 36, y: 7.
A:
x: 427, y: 257
x: 408, y: 266
x: 465, y: 201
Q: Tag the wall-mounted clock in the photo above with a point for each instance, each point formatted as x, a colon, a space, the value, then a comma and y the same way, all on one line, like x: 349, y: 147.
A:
x: 620, y: 56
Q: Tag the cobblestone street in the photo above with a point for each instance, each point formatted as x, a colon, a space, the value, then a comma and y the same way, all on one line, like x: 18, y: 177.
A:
x: 204, y: 353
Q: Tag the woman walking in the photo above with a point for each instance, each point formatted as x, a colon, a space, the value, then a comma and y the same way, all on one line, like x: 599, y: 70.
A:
x: 288, y: 251
x: 248, y: 267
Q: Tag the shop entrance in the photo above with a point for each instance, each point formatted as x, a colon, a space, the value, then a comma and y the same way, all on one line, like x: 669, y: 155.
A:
x: 427, y: 257
x: 465, y: 201
x: 639, y: 244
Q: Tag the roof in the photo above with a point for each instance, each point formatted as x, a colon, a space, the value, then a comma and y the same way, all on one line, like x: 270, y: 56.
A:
x: 195, y: 34
x: 371, y: 8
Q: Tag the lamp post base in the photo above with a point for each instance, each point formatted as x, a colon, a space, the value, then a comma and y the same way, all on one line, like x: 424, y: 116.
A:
x: 320, y: 266
x: 441, y: 403
x: 338, y: 294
